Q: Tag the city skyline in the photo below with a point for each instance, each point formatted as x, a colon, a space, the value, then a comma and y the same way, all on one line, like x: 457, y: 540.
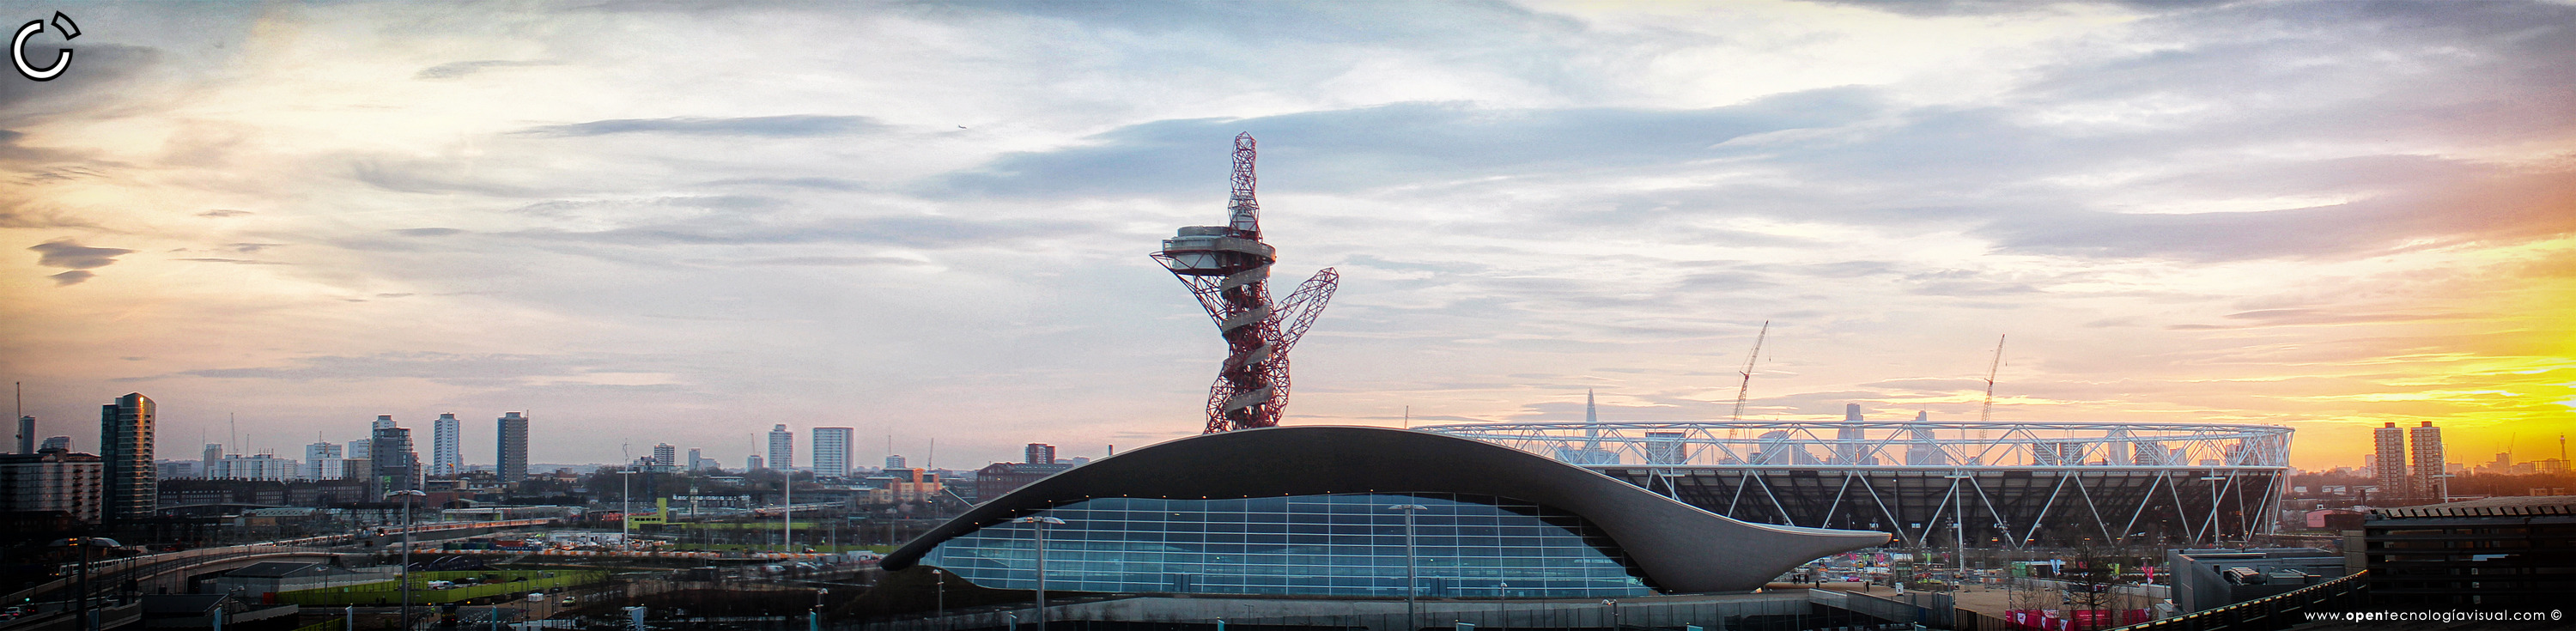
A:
x: 933, y: 221
x: 2551, y: 447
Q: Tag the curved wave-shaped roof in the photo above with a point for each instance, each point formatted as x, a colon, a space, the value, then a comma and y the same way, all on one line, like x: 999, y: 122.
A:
x: 1678, y: 547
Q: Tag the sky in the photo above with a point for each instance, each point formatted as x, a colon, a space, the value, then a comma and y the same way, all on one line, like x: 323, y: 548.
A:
x: 646, y: 222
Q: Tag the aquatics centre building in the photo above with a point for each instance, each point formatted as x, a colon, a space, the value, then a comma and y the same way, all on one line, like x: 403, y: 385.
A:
x: 1357, y: 512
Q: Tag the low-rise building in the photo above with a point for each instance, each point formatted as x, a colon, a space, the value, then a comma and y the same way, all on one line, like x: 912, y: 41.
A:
x: 209, y: 611
x: 256, y: 581
x: 918, y: 486
x: 2209, y: 579
x: 183, y: 493
x: 253, y: 467
x: 1000, y: 478
x: 2498, y: 551
x: 328, y: 493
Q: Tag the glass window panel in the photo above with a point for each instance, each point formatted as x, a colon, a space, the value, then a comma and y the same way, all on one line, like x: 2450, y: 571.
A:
x: 1329, y: 545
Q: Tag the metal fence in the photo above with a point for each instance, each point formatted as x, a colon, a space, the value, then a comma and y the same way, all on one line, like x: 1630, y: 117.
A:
x: 1927, y: 609
x: 1778, y: 611
x: 2272, y: 613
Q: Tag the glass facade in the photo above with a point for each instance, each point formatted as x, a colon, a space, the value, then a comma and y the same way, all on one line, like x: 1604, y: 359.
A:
x: 1339, y: 545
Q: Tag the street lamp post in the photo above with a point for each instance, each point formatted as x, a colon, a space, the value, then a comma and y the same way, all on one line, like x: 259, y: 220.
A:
x: 1412, y: 617
x: 814, y: 621
x: 787, y: 510
x: 940, y: 578
x: 625, y: 506
x: 406, y: 552
x: 87, y: 623
x: 1039, y: 524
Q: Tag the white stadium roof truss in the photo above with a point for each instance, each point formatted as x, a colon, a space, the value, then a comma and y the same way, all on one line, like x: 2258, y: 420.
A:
x: 2178, y: 445
x: 2003, y: 483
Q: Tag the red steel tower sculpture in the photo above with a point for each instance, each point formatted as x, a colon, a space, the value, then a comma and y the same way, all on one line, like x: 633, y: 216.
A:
x: 1228, y: 268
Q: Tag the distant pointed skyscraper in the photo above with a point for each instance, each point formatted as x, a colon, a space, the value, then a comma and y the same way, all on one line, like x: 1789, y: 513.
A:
x: 1849, y: 442
x: 1591, y: 453
x: 1923, y: 450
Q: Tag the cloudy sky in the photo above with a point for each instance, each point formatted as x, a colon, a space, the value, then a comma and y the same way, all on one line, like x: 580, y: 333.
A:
x: 648, y: 222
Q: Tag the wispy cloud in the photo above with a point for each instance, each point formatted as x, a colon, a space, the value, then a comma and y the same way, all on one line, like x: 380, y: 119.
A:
x: 457, y: 69
x: 2315, y: 213
x: 796, y: 126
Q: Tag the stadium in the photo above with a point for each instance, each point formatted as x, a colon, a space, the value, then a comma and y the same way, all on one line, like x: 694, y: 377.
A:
x: 2000, y: 484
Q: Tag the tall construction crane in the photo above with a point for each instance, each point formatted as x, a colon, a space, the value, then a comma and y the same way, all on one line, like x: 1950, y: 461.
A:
x: 1988, y: 412
x: 1746, y: 387
x: 1228, y: 268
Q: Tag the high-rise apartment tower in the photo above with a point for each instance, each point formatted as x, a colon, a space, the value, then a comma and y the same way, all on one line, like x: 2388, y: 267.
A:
x: 782, y: 448
x: 130, y: 490
x: 397, y: 464
x: 212, y: 457
x: 51, y: 480
x: 1038, y: 453
x: 2432, y: 482
x: 324, y: 461
x: 446, y: 450
x: 832, y: 451
x: 2389, y: 463
x: 512, y: 460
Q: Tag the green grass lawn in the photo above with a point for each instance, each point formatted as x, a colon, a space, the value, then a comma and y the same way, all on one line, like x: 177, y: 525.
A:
x: 729, y: 547
x: 390, y: 592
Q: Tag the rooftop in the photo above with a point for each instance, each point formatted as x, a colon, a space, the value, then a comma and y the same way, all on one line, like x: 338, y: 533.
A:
x: 270, y: 569
x: 2529, y: 505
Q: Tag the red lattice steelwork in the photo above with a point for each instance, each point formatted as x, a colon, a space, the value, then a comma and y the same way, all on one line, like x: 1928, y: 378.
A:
x: 1228, y: 268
